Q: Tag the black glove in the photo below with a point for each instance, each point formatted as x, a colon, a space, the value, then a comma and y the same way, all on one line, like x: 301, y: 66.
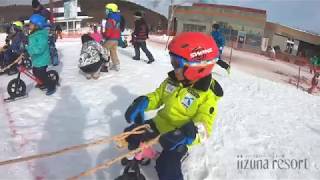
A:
x: 179, y: 139
x: 134, y: 140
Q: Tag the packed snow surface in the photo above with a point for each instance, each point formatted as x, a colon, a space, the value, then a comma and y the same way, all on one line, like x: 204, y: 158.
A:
x: 258, y: 121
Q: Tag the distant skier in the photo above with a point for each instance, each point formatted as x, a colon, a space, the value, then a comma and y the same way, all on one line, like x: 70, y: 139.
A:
x: 92, y: 57
x: 139, y: 37
x: 314, y: 83
x: 38, y: 49
x: 314, y: 64
x: 220, y: 40
x: 188, y: 100
x: 112, y: 34
x: 58, y: 31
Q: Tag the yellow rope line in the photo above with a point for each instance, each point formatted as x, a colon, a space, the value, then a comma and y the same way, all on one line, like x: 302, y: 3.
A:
x: 14, y: 62
x: 120, y: 137
x: 107, y: 164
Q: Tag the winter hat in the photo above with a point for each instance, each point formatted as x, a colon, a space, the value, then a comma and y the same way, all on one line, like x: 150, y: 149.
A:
x: 38, y: 20
x: 35, y: 3
x: 138, y: 14
x: 18, y: 24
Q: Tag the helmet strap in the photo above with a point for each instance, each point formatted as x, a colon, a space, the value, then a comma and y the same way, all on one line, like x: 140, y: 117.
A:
x: 186, y: 82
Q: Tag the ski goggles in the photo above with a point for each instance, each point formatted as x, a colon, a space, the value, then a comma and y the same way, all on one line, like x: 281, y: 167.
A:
x: 180, y: 62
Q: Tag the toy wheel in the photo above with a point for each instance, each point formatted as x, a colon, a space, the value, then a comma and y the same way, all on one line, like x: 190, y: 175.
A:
x: 27, y: 63
x: 124, y: 161
x: 54, y: 76
x: 145, y: 162
x: 141, y: 177
x: 16, y: 88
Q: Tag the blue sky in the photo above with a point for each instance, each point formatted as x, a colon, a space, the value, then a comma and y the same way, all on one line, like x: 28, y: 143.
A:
x: 302, y: 14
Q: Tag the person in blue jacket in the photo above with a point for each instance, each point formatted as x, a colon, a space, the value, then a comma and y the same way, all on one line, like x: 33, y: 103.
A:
x: 16, y: 46
x: 220, y: 41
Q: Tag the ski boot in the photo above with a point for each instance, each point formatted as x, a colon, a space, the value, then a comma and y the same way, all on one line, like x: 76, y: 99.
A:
x: 131, y: 170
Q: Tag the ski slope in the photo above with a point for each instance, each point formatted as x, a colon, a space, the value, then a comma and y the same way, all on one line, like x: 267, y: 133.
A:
x: 257, y: 118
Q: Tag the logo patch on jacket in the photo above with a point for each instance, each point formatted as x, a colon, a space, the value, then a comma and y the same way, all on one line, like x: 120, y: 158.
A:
x: 170, y: 88
x: 188, y: 100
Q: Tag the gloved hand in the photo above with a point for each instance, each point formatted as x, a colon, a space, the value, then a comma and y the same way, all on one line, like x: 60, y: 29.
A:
x: 221, y: 48
x: 179, y: 139
x: 134, y: 140
x: 135, y: 112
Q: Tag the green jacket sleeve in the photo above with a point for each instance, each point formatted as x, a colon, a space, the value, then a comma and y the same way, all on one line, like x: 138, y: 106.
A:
x: 155, y: 98
x: 38, y: 46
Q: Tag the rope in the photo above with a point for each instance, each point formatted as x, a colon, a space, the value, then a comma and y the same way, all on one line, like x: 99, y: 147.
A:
x: 107, y: 164
x: 105, y: 140
x: 14, y: 62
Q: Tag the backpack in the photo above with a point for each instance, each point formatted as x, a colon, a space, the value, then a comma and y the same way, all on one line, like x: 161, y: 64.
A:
x: 122, y: 23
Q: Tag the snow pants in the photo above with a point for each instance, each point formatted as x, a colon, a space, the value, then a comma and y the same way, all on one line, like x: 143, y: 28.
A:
x: 143, y: 46
x: 111, y: 45
x: 168, y: 165
x: 92, y: 68
x: 41, y: 74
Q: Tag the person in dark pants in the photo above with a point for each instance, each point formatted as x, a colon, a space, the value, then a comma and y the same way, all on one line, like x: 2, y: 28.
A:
x: 42, y: 75
x: 220, y: 41
x: 139, y: 37
x: 38, y: 49
x: 58, y: 31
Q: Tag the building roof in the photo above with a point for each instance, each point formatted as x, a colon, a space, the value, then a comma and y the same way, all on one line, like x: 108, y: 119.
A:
x: 293, y: 33
x: 259, y: 11
x: 78, y: 18
x: 247, y: 15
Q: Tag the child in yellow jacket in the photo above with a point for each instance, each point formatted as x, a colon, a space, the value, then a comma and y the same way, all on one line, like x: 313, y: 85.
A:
x: 188, y: 101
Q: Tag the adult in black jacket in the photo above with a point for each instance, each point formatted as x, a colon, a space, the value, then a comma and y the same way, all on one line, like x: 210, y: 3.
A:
x: 139, y: 37
x: 38, y: 8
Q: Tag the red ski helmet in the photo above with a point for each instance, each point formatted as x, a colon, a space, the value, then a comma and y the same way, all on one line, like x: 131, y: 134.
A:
x: 196, y: 52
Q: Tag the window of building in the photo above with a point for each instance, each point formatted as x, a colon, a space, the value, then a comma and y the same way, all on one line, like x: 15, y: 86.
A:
x: 193, y: 28
x: 290, y: 44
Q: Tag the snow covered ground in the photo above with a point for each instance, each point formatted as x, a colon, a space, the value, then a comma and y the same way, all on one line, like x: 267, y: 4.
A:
x: 257, y: 120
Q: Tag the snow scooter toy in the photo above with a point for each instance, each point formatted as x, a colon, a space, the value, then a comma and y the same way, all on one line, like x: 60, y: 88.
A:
x: 132, y: 167
x: 132, y: 170
x: 26, y: 61
x: 17, y: 87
